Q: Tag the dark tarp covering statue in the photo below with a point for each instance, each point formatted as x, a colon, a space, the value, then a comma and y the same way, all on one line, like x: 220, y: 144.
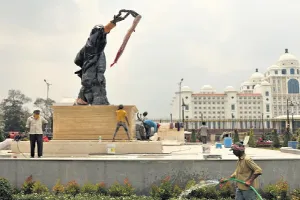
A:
x: 91, y: 59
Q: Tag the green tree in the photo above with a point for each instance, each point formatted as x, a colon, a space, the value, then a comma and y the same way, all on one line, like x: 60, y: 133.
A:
x: 193, y: 136
x: 236, y: 137
x: 286, y: 138
x: 13, y: 111
x: 275, y: 139
x: 298, y: 146
x: 252, y: 142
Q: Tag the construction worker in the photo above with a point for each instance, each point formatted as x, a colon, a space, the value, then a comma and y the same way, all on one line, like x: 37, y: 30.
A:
x: 34, y: 126
x: 247, y: 170
x: 121, y: 117
x: 148, y: 124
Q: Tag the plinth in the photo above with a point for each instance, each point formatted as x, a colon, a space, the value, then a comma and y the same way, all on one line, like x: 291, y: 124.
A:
x: 90, y: 122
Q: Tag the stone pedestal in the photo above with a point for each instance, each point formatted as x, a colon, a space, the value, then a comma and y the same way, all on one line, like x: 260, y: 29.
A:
x: 90, y: 122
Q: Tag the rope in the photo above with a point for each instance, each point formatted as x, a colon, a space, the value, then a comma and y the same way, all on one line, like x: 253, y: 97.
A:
x: 239, y: 181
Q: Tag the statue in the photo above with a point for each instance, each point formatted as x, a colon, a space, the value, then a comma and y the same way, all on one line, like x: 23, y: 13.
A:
x: 91, y: 59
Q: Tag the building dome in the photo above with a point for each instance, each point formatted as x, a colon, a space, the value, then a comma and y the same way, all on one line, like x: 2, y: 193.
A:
x: 272, y: 67
x: 207, y: 87
x: 229, y: 89
x: 265, y: 83
x: 256, y: 75
x: 246, y: 83
x: 287, y: 57
x: 186, y: 89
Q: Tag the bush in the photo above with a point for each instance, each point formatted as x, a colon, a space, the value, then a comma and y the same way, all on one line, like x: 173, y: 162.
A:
x: 2, y: 138
x: 176, y: 191
x: 286, y: 138
x: 27, y: 186
x: 277, y: 190
x: 164, y: 190
x: 118, y: 190
x: 252, y: 142
x: 58, y: 188
x: 39, y: 188
x: 101, y: 189
x: 190, y: 184
x: 226, y: 190
x: 298, y: 146
x: 295, y: 194
x: 236, y: 137
x: 6, y: 190
x: 275, y: 139
x: 208, y: 192
x: 72, y: 188
x: 89, y: 188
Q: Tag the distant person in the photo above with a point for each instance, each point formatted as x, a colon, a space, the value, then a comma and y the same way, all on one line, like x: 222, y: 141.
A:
x: 247, y: 170
x: 121, y: 115
x: 204, y: 133
x: 34, y: 126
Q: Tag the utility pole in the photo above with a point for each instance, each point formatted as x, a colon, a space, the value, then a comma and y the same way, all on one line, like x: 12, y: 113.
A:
x: 262, y: 119
x: 179, y: 113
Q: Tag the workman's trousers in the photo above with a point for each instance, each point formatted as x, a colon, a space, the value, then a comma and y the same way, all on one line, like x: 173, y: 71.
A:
x: 123, y: 124
x: 36, y: 138
x: 148, y: 131
x: 245, y: 195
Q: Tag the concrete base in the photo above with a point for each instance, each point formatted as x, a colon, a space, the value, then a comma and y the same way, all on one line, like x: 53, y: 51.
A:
x: 63, y: 147
x: 289, y: 150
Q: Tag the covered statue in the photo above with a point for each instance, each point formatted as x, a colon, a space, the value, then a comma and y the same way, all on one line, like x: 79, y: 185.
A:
x: 91, y: 59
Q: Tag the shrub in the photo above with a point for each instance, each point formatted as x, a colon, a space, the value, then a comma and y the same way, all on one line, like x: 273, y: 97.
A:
x: 286, y: 138
x: 208, y: 192
x: 252, y: 142
x: 72, y: 188
x: 275, y: 139
x: 2, y: 138
x: 28, y: 185
x: 226, y: 190
x: 236, y: 137
x: 58, y: 188
x: 39, y: 188
x: 190, y: 184
x: 101, y: 189
x: 298, y: 146
x: 6, y: 190
x: 295, y: 194
x: 89, y: 188
x: 193, y: 136
x: 164, y: 190
x: 176, y: 191
x: 277, y: 190
x: 118, y: 190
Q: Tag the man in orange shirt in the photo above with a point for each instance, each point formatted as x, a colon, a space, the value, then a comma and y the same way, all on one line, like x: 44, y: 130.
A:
x: 121, y: 117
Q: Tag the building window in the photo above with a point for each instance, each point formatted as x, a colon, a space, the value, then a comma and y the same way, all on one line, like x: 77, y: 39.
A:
x: 186, y: 107
x: 268, y: 108
x: 267, y: 93
x: 276, y: 71
x: 283, y: 71
x: 232, y: 107
x: 297, y: 71
x: 292, y: 71
x: 293, y: 86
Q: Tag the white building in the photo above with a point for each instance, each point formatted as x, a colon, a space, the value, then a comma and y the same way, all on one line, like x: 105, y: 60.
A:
x: 262, y: 98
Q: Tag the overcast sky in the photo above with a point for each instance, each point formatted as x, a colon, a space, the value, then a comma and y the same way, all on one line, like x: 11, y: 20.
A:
x: 216, y: 42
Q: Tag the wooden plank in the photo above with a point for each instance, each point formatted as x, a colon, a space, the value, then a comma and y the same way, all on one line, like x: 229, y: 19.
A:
x: 90, y: 122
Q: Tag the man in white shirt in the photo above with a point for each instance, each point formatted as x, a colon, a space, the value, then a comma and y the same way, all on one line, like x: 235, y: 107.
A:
x: 34, y: 125
x: 204, y: 132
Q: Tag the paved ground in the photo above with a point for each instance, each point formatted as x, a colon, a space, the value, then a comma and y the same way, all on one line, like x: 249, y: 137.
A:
x: 183, y: 152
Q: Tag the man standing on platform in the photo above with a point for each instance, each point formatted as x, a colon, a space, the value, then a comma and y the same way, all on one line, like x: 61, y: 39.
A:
x: 121, y: 117
x: 34, y: 126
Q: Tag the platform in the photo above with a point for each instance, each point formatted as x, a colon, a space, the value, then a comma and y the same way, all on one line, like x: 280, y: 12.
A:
x: 85, y: 148
x: 90, y: 122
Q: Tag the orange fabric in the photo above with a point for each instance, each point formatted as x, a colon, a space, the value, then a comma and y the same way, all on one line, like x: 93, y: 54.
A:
x: 121, y: 115
x: 108, y: 27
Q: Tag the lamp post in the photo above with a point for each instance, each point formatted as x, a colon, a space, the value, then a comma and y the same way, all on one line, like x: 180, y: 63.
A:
x: 179, y: 113
x: 262, y: 120
x: 47, y: 103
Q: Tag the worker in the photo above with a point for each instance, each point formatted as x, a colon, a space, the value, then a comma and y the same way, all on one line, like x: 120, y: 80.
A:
x: 204, y: 133
x: 34, y: 126
x: 247, y: 170
x: 121, y: 121
x: 148, y: 124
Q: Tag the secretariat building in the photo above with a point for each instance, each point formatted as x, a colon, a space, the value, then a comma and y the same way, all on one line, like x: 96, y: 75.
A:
x: 262, y: 101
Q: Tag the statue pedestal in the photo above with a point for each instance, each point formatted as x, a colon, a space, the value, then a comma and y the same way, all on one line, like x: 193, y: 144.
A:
x: 90, y: 122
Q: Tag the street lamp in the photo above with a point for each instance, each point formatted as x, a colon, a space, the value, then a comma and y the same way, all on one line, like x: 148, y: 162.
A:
x: 263, y: 125
x: 290, y: 103
x: 48, y: 86
x: 47, y: 103
x: 179, y: 114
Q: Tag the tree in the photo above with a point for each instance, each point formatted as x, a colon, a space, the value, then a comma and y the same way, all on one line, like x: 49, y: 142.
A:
x: 275, y: 139
x: 13, y: 111
x: 298, y: 146
x: 236, y: 137
x: 193, y: 136
x: 287, y: 137
x: 252, y: 142
x: 45, y: 106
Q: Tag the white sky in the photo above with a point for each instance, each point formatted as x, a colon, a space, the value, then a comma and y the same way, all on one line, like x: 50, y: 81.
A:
x: 216, y: 42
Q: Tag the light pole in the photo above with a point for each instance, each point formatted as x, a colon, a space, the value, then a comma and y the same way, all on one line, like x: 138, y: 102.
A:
x: 47, y: 103
x: 179, y: 114
x: 262, y: 120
